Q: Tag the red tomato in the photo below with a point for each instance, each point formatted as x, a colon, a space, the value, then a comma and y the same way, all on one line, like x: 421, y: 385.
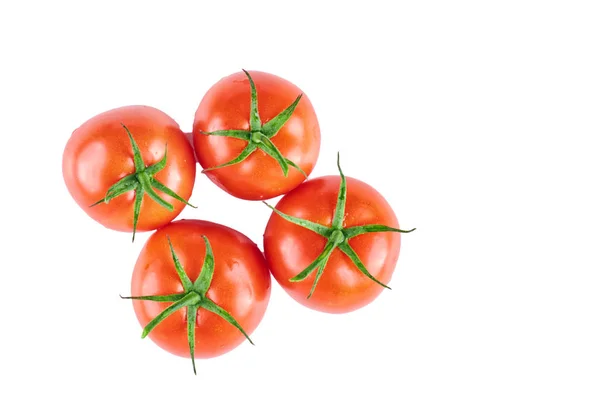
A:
x: 100, y: 155
x: 319, y: 262
x: 239, y: 283
x: 250, y: 152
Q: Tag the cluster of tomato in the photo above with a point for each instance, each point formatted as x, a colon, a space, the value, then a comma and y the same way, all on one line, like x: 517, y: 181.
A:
x: 200, y: 288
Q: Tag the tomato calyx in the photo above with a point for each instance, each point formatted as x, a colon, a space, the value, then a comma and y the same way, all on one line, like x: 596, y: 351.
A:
x: 259, y: 136
x: 193, y: 298
x: 142, y: 181
x: 337, y: 237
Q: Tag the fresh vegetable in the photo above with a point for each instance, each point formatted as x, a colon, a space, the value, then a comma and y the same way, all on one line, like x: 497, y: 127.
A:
x: 333, y: 243
x: 130, y: 169
x: 256, y: 135
x: 199, y: 288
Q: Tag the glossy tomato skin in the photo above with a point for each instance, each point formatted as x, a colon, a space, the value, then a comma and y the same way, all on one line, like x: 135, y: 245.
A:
x: 241, y: 284
x: 99, y: 153
x: 289, y: 248
x: 226, y: 106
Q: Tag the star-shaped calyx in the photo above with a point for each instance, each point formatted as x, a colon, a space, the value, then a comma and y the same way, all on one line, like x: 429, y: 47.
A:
x: 142, y: 180
x: 193, y: 298
x: 337, y: 237
x: 259, y: 136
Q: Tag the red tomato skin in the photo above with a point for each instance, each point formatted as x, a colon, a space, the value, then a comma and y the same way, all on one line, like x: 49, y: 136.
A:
x: 289, y: 248
x: 241, y: 284
x: 226, y: 106
x: 99, y: 153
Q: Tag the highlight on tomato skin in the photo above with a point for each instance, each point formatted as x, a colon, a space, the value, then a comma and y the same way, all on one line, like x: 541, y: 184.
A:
x: 256, y: 135
x: 210, y: 270
x: 130, y: 168
x: 333, y: 243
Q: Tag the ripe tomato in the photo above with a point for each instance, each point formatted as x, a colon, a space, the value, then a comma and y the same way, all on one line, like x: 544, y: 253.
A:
x: 329, y: 245
x: 117, y: 168
x: 256, y: 135
x: 211, y: 271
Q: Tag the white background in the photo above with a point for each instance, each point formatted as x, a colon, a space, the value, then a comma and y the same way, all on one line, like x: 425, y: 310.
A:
x: 475, y: 119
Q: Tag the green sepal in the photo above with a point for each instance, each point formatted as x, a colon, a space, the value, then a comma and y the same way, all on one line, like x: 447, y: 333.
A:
x: 272, y: 127
x: 340, y: 206
x: 147, y: 186
x: 187, y: 300
x: 239, y: 134
x: 183, y: 277
x: 318, y: 264
x: 156, y: 298
x: 269, y: 148
x: 137, y: 155
x: 248, y: 150
x: 137, y: 208
x: 218, y: 310
x: 255, y: 123
x: 323, y: 257
x: 155, y: 168
x: 358, y: 230
x: 312, y: 226
x: 162, y: 188
x: 204, y: 279
x: 347, y: 249
x: 296, y: 166
x: 192, y: 314
x: 320, y: 271
x: 124, y: 185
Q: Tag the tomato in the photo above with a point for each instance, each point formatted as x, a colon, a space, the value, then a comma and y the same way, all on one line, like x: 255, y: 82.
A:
x: 256, y: 135
x: 117, y: 168
x: 333, y: 243
x: 210, y: 271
